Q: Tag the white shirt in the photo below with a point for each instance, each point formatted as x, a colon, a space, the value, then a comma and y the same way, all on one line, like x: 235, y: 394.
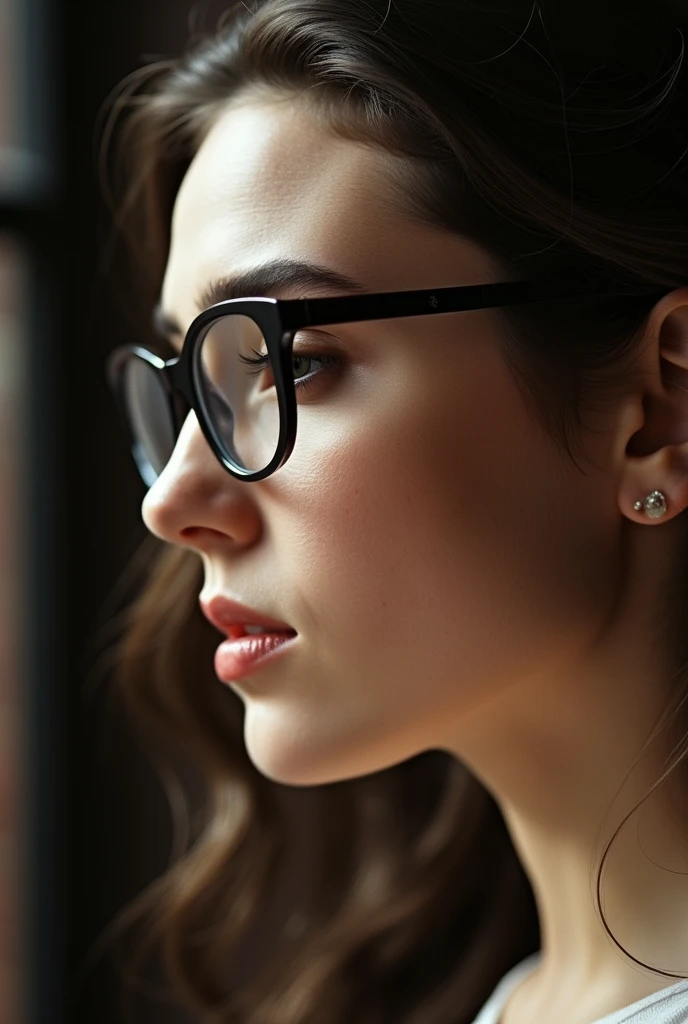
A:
x: 668, y: 1006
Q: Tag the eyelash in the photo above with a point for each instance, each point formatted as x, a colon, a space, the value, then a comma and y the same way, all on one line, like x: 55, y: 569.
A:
x: 329, y: 362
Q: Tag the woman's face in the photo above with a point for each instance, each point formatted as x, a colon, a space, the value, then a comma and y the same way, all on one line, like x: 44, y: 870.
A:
x: 434, y: 550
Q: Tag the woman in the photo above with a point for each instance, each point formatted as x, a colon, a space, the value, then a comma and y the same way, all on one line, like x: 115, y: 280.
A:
x: 455, y: 511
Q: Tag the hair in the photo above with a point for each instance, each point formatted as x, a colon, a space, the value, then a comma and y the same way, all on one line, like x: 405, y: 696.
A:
x: 555, y: 137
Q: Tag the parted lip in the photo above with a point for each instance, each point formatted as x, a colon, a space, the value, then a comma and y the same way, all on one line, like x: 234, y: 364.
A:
x: 225, y: 614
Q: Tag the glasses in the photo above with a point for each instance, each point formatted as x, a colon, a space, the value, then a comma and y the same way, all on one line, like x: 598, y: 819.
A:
x: 236, y: 370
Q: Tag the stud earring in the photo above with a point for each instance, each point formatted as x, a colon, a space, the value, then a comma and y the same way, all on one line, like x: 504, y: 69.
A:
x: 654, y: 506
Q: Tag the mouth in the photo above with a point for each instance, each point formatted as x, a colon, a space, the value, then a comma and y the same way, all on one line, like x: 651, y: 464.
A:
x: 236, y: 620
x: 236, y: 632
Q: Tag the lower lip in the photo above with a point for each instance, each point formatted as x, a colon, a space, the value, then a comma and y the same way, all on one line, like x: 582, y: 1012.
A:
x: 237, y: 658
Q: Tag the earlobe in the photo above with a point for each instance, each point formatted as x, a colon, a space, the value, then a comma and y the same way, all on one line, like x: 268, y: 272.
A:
x: 654, y: 506
x: 649, y: 505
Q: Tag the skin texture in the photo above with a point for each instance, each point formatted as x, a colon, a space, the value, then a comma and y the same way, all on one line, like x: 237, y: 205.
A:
x: 456, y: 582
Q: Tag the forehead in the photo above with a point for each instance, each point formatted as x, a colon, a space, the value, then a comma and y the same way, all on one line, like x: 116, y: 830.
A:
x: 268, y: 181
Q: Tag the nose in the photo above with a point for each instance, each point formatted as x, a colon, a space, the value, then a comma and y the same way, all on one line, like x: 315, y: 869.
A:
x: 196, y: 503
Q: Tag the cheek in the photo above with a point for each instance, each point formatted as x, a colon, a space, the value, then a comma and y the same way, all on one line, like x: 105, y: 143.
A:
x: 448, y: 544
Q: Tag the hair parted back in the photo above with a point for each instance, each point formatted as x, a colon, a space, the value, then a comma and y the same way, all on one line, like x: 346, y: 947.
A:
x: 555, y: 135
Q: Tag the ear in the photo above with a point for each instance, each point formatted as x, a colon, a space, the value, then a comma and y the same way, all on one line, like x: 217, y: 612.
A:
x: 656, y: 456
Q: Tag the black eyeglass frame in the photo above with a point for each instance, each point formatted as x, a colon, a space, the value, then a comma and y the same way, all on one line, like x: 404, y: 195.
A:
x: 280, y: 320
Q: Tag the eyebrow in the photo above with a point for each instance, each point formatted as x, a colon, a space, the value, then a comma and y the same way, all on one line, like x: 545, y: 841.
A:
x: 262, y: 281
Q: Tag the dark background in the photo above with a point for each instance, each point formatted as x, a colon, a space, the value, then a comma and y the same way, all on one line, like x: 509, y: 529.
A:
x: 118, y: 826
x: 97, y: 827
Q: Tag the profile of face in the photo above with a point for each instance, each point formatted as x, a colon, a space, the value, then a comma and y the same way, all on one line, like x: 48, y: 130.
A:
x: 444, y: 564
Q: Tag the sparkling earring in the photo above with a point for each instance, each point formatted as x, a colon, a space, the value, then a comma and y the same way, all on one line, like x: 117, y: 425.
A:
x: 654, y: 505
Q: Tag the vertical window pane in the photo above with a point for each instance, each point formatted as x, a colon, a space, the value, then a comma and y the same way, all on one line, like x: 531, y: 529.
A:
x: 8, y: 90
x: 26, y: 82
x: 7, y: 74
x: 12, y: 280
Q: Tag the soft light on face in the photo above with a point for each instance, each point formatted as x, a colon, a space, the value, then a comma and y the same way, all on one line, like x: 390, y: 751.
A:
x: 435, y: 552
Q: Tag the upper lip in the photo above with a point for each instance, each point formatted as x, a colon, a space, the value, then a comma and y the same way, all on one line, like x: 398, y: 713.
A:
x: 224, y: 614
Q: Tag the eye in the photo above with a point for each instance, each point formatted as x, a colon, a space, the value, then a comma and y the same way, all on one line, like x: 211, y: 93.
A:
x: 302, y: 365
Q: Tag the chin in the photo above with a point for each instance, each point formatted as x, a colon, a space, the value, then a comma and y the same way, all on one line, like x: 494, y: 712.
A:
x: 297, y: 757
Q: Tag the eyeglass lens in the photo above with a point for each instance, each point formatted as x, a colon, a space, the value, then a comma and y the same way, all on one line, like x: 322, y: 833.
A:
x: 237, y: 396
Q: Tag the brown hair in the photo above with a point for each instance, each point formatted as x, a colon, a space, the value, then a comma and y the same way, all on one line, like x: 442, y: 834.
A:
x: 553, y: 135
